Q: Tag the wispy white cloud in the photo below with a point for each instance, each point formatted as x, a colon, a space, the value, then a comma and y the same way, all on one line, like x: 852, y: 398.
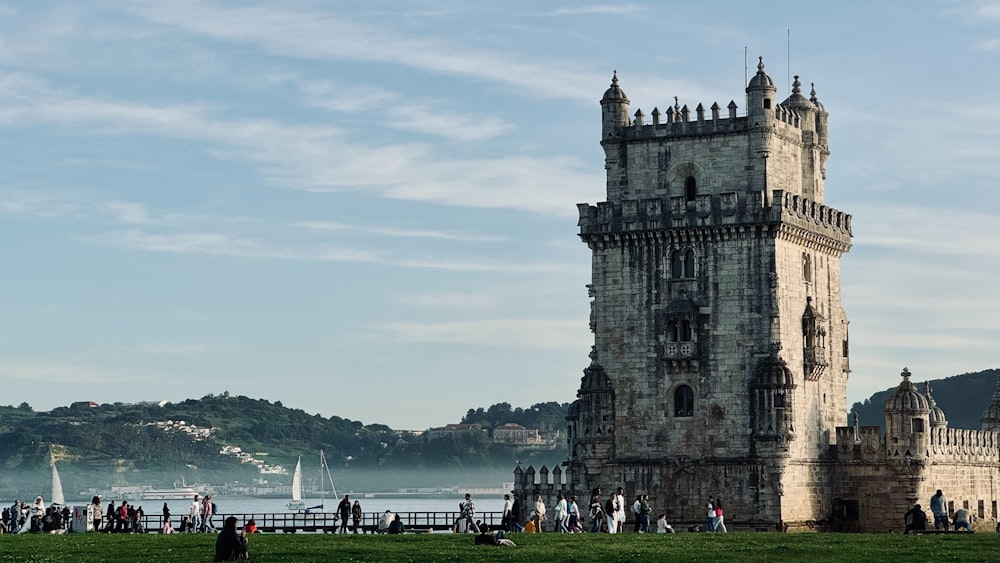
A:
x: 226, y: 244
x: 402, y: 233
x: 451, y: 300
x: 319, y: 158
x: 428, y: 117
x: 512, y: 333
x: 327, y: 36
x: 599, y: 9
x: 128, y: 212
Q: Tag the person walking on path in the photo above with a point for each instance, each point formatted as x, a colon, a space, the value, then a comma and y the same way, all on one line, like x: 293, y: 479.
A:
x: 720, y: 521
x: 620, y: 509
x: 561, y: 515
x: 356, y: 515
x: 194, y: 514
x: 469, y: 513
x: 344, y: 509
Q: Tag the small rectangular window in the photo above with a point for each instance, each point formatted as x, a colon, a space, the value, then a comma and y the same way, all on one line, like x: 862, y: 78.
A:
x: 982, y: 509
x: 918, y: 425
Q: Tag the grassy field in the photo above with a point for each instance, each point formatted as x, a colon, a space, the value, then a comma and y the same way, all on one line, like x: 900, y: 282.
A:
x: 714, y: 548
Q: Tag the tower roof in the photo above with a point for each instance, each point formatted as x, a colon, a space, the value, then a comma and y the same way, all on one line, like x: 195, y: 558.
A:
x: 814, y: 99
x: 907, y: 399
x: 761, y: 79
x: 936, y: 415
x: 797, y: 101
x: 614, y: 94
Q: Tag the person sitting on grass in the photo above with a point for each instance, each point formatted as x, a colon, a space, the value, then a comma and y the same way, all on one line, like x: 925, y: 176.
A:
x: 396, y: 526
x: 484, y: 537
x: 915, y: 520
x: 230, y: 545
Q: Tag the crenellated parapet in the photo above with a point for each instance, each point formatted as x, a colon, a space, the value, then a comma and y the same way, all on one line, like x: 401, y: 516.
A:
x: 815, y: 224
x: 961, y: 444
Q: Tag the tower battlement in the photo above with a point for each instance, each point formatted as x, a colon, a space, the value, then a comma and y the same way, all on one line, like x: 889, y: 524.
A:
x: 716, y: 210
x: 679, y: 122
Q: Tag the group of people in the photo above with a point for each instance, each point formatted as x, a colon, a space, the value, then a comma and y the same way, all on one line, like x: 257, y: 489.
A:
x: 607, y: 515
x: 915, y: 519
x: 348, y: 511
x: 22, y: 517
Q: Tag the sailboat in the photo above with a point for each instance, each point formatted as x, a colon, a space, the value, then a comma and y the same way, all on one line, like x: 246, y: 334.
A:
x: 57, y: 490
x: 324, y: 475
x: 296, y: 503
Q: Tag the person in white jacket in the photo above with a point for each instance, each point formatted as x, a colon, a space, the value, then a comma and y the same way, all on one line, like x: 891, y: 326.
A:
x: 194, y: 515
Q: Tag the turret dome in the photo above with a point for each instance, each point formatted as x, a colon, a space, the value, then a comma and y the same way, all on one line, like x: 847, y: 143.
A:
x: 797, y: 101
x: 614, y: 94
x: 907, y: 399
x: 814, y: 99
x: 936, y: 415
x: 761, y: 79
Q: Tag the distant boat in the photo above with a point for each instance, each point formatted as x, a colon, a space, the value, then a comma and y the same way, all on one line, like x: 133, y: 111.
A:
x: 57, y: 490
x: 324, y: 474
x: 183, y: 493
x: 296, y: 503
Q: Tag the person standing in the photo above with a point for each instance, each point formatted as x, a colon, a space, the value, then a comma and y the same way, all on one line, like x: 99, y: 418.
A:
x: 207, y: 510
x: 469, y: 513
x: 720, y: 521
x: 636, y: 505
x: 515, y: 515
x: 166, y: 516
x: 710, y: 517
x: 561, y: 515
x: 194, y: 514
x: 644, y: 511
x: 574, y: 515
x: 611, y: 513
x: 596, y: 512
x: 94, y: 514
x: 539, y: 514
x: 620, y: 509
x: 356, y: 515
x: 507, y: 508
x: 344, y: 508
x: 939, y: 508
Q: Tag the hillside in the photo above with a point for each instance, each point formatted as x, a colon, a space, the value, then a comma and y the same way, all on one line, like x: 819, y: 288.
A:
x: 164, y: 445
x: 963, y: 398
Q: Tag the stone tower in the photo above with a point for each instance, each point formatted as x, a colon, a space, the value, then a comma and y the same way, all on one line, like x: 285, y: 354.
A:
x: 720, y: 357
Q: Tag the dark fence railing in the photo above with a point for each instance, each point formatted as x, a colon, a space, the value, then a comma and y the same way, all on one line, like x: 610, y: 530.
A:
x: 329, y: 522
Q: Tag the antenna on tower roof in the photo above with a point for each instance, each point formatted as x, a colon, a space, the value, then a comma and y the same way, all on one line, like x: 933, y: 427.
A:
x: 746, y: 79
x: 788, y: 59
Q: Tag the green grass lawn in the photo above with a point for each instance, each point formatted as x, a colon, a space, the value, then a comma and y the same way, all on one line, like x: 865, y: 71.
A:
x: 537, y: 548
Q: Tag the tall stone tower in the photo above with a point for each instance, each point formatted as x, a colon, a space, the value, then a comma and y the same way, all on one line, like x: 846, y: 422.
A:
x: 720, y: 358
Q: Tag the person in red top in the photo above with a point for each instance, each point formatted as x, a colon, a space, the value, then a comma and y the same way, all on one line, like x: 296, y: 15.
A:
x: 251, y: 527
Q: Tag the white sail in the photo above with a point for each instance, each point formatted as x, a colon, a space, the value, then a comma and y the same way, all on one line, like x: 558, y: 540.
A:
x: 57, y: 491
x: 297, y: 503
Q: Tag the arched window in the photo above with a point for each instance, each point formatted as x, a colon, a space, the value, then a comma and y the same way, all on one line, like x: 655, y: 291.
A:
x: 807, y: 267
x: 683, y: 401
x: 685, y: 331
x: 690, y: 189
x: 677, y: 265
x: 672, y: 332
x: 682, y: 264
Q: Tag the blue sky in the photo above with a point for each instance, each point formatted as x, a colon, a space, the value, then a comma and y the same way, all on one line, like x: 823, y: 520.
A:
x: 368, y: 208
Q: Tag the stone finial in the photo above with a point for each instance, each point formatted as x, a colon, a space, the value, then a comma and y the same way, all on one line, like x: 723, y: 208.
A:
x: 905, y: 374
x: 760, y: 65
x: 656, y: 115
x: 812, y: 93
x: 614, y: 78
x: 796, y: 85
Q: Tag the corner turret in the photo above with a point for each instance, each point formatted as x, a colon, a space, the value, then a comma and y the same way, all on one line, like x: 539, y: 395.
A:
x: 907, y: 421
x: 614, y: 109
x: 761, y: 95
